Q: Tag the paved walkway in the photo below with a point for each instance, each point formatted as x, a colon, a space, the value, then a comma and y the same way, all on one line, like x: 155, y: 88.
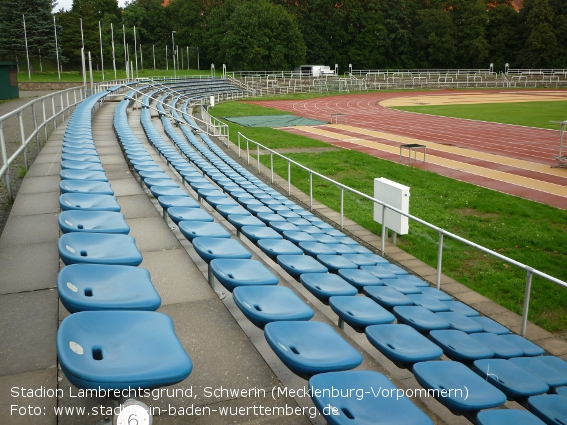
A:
x: 228, y: 352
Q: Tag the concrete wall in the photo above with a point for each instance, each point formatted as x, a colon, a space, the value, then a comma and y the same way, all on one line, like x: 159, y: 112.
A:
x: 47, y: 86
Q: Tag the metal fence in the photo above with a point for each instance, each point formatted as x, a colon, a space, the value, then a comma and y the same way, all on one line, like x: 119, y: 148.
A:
x: 442, y: 233
x: 33, y: 122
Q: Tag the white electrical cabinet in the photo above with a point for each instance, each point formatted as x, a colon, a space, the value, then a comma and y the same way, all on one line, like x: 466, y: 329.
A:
x: 396, y: 195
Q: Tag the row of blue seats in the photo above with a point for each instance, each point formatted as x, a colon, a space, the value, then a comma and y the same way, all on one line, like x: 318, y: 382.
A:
x: 426, y: 316
x: 302, y: 345
x: 113, y: 339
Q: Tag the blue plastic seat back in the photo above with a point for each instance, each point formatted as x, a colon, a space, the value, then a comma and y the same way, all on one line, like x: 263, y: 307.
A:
x: 460, y: 322
x: 274, y: 247
x: 196, y: 229
x: 429, y: 302
x: 297, y: 265
x: 502, y: 348
x: 167, y: 201
x: 550, y: 408
x: 359, y: 278
x: 178, y: 214
x: 325, y: 285
x: 98, y: 248
x: 457, y: 387
x: 83, y: 287
x: 211, y: 248
x: 403, y: 286
x: 528, y: 347
x: 298, y: 236
x: 304, y: 347
x: 387, y: 297
x: 315, y: 248
x: 71, y: 174
x: 255, y: 233
x: 265, y: 304
x: 460, y: 346
x: 490, y: 325
x: 512, y: 380
x: 350, y: 397
x: 541, y: 370
x: 462, y: 308
x: 420, y: 318
x: 84, y: 201
x: 402, y: 344
x: 120, y: 350
x: 93, y: 222
x: 234, y: 272
x: 360, y: 312
x: 336, y: 262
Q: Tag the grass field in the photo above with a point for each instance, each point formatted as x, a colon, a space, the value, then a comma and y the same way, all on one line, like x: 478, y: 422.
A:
x: 531, y: 114
x: 526, y: 231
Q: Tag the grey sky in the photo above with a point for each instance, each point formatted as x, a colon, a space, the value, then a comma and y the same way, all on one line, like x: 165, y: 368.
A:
x: 66, y: 4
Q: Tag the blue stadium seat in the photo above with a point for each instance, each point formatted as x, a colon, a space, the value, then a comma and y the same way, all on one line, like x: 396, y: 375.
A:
x: 265, y: 304
x: 93, y: 222
x: 83, y: 287
x: 359, y: 312
x: 88, y: 202
x: 80, y: 165
x: 226, y: 210
x: 550, y: 408
x: 429, y: 302
x: 512, y: 380
x: 283, y: 226
x: 335, y: 262
x: 255, y: 233
x: 434, y: 292
x: 528, y: 347
x: 402, y: 344
x: 359, y: 278
x: 387, y: 297
x: 298, y: 236
x: 457, y: 387
x: 196, y: 229
x: 70, y: 174
x: 358, y: 259
x: 343, y: 249
x: 419, y: 317
x: 462, y: 308
x: 121, y: 350
x: 325, y: 285
x: 403, y: 286
x: 541, y: 370
x: 98, y: 248
x: 555, y: 362
x: 414, y: 280
x: 490, y: 325
x: 304, y: 347
x: 275, y: 247
x: 460, y: 346
x: 244, y: 220
x: 297, y: 265
x: 379, y: 271
x: 177, y: 214
x: 507, y: 417
x: 460, y: 322
x: 361, y: 407
x: 234, y: 272
x: 502, y: 348
x: 212, y: 248
x: 315, y: 248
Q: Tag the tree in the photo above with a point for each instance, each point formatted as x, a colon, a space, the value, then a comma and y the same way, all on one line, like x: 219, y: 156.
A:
x: 434, y: 39
x: 257, y: 35
x: 540, y: 49
x: 39, y: 29
x: 470, y: 19
x: 503, y: 43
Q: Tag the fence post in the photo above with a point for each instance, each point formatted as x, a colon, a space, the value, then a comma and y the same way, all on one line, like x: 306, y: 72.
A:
x: 248, y: 151
x: 23, y: 135
x: 272, y: 165
x: 288, y: 177
x: 526, y: 302
x: 439, y: 260
x: 5, y: 162
x: 384, y: 232
x: 239, y: 144
x: 53, y: 111
x: 44, y: 117
x: 258, y: 155
x: 342, y: 206
x: 310, y: 191
x: 35, y: 126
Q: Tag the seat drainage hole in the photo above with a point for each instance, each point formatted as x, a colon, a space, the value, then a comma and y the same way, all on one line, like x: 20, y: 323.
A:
x: 257, y: 307
x: 80, y: 226
x: 83, y: 253
x: 347, y: 413
x: 294, y: 350
x: 97, y: 353
x: 88, y: 292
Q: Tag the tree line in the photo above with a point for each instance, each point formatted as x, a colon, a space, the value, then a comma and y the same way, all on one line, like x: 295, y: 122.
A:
x: 283, y: 34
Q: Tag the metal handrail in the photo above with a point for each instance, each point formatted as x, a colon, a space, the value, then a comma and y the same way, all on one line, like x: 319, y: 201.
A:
x: 25, y: 141
x: 530, y: 271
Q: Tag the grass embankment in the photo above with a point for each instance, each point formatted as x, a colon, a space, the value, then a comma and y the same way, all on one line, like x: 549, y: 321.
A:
x: 531, y: 233
x: 531, y: 114
x: 76, y: 76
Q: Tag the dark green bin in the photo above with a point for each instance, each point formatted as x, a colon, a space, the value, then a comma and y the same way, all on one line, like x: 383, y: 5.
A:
x: 9, y: 80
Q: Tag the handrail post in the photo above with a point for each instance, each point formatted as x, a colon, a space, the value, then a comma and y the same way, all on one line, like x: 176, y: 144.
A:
x: 258, y: 155
x: 439, y: 259
x: 23, y: 135
x: 527, y: 294
x: 272, y: 165
x: 35, y: 127
x: 342, y: 206
x: 44, y: 118
x: 53, y: 116
x: 239, y: 144
x: 384, y: 230
x: 248, y: 151
x: 288, y: 177
x: 310, y: 191
x: 5, y: 162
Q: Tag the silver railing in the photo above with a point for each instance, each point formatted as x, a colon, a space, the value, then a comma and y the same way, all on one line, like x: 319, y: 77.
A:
x: 34, y: 122
x: 442, y: 233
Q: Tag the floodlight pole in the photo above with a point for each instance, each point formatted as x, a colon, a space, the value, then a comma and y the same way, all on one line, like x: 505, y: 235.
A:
x: 56, y: 49
x: 173, y: 42
x: 101, y: 57
x: 27, y: 53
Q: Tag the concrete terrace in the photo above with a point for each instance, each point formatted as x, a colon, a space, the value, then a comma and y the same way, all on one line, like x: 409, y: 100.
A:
x: 233, y: 365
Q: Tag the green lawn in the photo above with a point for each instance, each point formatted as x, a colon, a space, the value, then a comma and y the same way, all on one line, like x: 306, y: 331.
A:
x: 531, y: 233
x: 532, y: 114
